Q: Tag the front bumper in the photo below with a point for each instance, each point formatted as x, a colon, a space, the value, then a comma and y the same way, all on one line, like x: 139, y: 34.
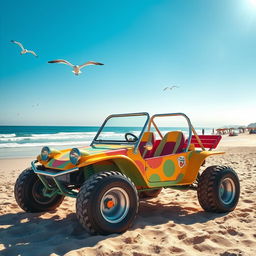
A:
x: 54, y: 174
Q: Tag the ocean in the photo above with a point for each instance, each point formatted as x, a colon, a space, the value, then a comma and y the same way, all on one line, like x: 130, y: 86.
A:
x: 27, y: 141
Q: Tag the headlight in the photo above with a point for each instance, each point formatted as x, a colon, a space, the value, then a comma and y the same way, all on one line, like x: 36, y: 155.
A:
x: 74, y: 155
x: 47, y: 153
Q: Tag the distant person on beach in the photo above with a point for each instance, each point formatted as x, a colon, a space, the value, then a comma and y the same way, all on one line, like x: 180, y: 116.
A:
x: 213, y: 131
x: 203, y: 131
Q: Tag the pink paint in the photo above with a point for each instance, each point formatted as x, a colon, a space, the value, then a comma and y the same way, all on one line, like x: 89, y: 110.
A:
x: 57, y: 163
x: 154, y: 162
x: 117, y: 152
x: 140, y: 165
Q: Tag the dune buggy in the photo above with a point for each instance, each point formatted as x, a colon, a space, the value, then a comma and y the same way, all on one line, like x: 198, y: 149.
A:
x: 129, y: 159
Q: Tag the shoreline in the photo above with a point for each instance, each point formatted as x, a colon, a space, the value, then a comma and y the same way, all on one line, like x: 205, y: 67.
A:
x: 242, y: 140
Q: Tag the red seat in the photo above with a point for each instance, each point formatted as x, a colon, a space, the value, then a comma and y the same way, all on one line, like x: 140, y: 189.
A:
x: 147, y: 137
x: 172, y: 143
x: 208, y: 141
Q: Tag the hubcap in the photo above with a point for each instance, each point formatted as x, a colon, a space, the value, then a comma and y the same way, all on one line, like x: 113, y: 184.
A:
x: 227, y: 191
x: 114, y: 205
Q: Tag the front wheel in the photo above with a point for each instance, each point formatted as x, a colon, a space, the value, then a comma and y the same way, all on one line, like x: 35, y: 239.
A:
x: 107, y: 203
x: 218, y: 189
x: 29, y: 196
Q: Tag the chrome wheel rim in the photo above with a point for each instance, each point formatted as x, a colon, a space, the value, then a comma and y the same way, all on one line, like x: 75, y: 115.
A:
x: 114, y: 205
x: 227, y: 191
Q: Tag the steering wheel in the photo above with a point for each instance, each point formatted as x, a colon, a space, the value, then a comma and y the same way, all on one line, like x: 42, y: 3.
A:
x: 133, y: 139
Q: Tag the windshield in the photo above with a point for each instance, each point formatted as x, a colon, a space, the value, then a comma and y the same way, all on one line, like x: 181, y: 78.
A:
x: 122, y: 129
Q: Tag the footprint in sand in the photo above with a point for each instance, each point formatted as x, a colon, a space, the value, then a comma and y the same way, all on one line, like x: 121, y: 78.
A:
x: 204, y: 248
x: 232, y: 232
x: 248, y: 201
x: 196, y: 239
x: 156, y: 249
x: 174, y: 249
x: 182, y: 236
x: 249, y: 243
x: 235, y: 252
x: 221, y: 240
x: 244, y: 214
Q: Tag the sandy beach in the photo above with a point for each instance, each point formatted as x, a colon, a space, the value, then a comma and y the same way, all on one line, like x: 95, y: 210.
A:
x: 173, y: 223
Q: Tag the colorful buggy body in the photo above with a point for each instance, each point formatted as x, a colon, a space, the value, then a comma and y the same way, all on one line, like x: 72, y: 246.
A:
x: 109, y: 177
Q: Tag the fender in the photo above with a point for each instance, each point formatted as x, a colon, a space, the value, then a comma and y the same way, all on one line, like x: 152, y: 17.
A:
x: 196, y: 159
x: 135, y: 170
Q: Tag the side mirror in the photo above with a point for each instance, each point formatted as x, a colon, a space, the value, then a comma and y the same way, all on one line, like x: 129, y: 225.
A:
x: 148, y: 146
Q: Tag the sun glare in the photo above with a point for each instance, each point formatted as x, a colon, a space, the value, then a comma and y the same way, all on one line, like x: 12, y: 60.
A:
x: 253, y: 3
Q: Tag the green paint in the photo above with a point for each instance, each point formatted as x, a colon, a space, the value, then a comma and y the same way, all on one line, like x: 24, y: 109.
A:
x: 180, y: 177
x: 44, y: 181
x: 189, y: 156
x: 87, y: 171
x: 129, y: 169
x: 154, y: 178
x: 192, y: 153
x: 63, y: 190
x: 169, y: 168
x: 51, y: 193
x: 166, y: 183
x: 50, y: 163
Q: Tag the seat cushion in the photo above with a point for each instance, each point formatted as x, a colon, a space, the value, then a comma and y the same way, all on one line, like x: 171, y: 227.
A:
x: 147, y: 137
x: 171, y: 143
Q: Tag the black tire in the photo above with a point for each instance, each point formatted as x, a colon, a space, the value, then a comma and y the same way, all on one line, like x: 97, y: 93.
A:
x: 28, y: 194
x: 218, y: 189
x: 149, y: 193
x: 91, y: 205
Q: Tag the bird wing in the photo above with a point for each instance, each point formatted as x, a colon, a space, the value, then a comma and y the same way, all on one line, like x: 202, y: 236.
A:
x: 61, y: 61
x: 166, y: 88
x: 32, y: 52
x: 175, y: 86
x: 88, y: 63
x: 19, y: 44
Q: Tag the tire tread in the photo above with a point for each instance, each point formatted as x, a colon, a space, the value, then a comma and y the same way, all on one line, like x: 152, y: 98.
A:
x: 206, y: 187
x: 85, y: 193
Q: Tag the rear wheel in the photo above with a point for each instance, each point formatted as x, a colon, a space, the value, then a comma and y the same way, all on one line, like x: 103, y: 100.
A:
x: 29, y: 196
x: 150, y: 193
x: 107, y: 203
x: 218, y: 189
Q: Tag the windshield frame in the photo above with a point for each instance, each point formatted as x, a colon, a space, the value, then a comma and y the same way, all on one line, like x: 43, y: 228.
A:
x: 115, y: 142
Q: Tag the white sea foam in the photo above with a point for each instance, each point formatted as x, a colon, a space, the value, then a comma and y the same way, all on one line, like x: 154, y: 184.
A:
x: 62, y: 138
x: 53, y: 136
x: 65, y: 134
x: 13, y: 139
x: 49, y: 137
x: 10, y: 135
x: 64, y: 143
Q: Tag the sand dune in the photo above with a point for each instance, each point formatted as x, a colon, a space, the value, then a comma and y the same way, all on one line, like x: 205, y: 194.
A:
x: 173, y: 223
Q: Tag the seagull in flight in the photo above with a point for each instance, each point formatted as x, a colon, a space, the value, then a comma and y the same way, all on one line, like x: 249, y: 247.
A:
x: 23, y: 50
x: 76, y: 68
x: 172, y: 87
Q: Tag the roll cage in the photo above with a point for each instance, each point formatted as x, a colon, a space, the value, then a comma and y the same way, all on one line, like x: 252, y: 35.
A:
x: 148, y: 124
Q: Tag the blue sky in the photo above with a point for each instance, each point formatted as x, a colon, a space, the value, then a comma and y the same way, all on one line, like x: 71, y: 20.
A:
x: 207, y: 48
